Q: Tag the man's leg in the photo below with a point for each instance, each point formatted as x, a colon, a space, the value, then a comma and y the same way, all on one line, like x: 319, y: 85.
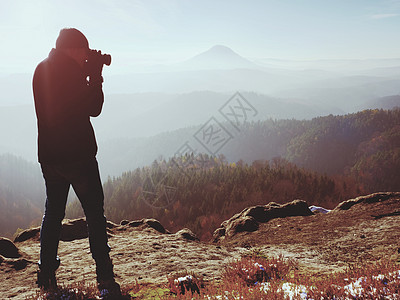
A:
x: 88, y: 187
x: 57, y: 192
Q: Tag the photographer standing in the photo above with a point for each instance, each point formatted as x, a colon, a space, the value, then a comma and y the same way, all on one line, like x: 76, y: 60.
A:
x: 67, y: 88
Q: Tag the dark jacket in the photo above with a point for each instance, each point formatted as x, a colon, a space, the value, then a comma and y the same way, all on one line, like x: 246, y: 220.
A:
x: 64, y: 102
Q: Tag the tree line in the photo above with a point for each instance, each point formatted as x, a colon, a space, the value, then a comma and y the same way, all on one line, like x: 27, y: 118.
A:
x: 199, y: 192
x: 21, y: 194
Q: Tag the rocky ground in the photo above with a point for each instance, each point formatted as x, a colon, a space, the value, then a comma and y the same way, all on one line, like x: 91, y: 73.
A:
x: 361, y: 230
x: 364, y: 230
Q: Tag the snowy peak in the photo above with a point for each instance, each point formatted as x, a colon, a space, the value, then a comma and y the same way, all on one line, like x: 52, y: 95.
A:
x: 218, y: 57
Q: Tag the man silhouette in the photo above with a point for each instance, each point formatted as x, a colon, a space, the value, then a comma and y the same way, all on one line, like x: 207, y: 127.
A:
x: 67, y: 89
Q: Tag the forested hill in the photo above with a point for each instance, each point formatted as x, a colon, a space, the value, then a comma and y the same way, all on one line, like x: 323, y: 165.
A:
x: 22, y: 194
x: 365, y: 145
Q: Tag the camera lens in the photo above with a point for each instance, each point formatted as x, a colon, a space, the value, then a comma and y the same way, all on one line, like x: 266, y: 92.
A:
x: 106, y: 59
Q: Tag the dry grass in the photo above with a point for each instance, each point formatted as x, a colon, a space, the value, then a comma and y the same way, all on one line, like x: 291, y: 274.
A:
x: 256, y: 277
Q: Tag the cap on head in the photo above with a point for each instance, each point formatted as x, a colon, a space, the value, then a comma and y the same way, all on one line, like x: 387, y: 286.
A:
x: 71, y: 38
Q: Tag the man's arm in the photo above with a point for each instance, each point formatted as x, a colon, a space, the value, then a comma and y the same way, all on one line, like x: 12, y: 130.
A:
x: 94, y: 69
x: 95, y: 97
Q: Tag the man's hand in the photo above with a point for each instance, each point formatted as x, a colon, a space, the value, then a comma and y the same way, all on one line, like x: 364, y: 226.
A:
x: 94, y: 66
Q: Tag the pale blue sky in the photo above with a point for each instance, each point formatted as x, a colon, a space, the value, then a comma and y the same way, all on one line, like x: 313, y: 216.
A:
x: 166, y: 31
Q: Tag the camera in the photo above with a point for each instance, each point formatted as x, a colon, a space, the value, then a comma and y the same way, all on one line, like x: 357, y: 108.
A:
x: 97, y: 56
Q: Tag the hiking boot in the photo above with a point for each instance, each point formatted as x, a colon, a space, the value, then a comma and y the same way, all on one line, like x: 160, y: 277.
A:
x: 46, y: 280
x: 109, y: 289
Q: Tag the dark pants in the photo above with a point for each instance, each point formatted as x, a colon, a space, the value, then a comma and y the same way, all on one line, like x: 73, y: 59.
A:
x: 85, y: 180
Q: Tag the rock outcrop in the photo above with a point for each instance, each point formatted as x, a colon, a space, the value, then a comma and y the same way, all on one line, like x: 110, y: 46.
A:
x: 187, y: 234
x: 10, y: 255
x: 74, y: 230
x: 152, y: 223
x: 124, y: 222
x: 248, y: 220
x: 8, y: 249
x: 241, y: 224
x: 15, y: 263
x: 372, y: 198
x: 71, y: 230
x: 77, y: 229
x: 28, y: 234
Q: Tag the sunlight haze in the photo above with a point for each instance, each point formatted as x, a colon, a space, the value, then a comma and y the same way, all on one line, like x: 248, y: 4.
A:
x: 163, y: 32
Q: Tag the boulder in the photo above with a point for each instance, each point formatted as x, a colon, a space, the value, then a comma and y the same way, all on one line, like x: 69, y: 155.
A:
x: 17, y: 263
x: 294, y: 208
x: 8, y: 249
x: 259, y: 212
x: 372, y: 198
x: 124, y: 222
x: 219, y: 233
x: 244, y: 223
x: 136, y: 223
x: 249, y: 218
x: 111, y: 225
x: 187, y: 234
x: 74, y: 230
x: 14, y: 263
x: 10, y: 255
x: 152, y: 223
x: 32, y: 233
x: 71, y: 230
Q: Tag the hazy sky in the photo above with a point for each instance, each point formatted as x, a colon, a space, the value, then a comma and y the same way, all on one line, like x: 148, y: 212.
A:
x: 165, y: 31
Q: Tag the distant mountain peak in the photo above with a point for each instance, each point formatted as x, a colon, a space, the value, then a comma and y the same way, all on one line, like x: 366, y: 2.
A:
x: 219, y: 57
x: 220, y: 46
x: 221, y: 49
